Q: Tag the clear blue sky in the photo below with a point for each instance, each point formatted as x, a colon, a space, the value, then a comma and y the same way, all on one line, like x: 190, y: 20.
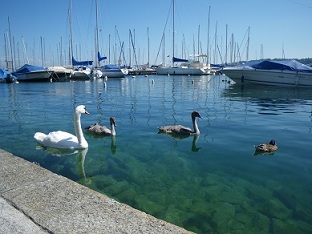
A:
x: 277, y: 28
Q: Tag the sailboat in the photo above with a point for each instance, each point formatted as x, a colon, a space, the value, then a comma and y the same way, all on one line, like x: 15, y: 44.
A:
x: 107, y: 71
x: 186, y: 67
x: 81, y: 69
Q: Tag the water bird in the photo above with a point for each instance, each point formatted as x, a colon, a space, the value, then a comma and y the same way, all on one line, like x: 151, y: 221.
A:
x: 65, y: 140
x: 181, y: 130
x: 97, y: 129
x: 267, y: 147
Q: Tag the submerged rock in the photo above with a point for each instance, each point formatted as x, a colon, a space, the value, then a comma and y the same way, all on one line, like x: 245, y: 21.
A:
x: 276, y: 209
x: 223, y: 216
x: 285, y: 196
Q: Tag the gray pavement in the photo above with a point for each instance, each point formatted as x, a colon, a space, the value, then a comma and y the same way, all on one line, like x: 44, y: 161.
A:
x: 35, y: 200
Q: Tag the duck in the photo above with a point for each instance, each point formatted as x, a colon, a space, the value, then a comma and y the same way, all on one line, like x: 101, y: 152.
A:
x: 267, y: 147
x: 97, y: 129
x: 65, y: 140
x: 181, y: 130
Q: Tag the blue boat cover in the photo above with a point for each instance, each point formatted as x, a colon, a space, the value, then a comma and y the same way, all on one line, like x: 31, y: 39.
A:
x: 29, y: 68
x: 100, y: 58
x: 288, y: 65
x: 174, y: 59
x: 3, y: 73
x: 81, y: 63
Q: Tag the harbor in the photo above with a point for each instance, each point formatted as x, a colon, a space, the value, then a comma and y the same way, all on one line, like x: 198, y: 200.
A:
x: 213, y: 182
x: 147, y: 117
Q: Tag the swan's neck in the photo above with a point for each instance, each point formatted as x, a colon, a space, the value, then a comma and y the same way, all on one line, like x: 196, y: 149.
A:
x: 113, y: 131
x: 195, y: 126
x: 78, y: 130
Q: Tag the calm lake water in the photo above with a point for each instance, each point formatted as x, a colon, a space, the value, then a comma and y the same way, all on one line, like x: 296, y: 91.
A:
x: 211, y: 184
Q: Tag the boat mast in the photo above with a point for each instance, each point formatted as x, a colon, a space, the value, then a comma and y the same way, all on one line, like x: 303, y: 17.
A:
x: 96, y: 33
x: 198, y: 35
x: 247, y: 52
x: 148, y: 45
x: 11, y: 47
x: 173, y: 30
x: 70, y: 35
x: 208, y: 36
x: 130, y: 58
x: 226, y: 43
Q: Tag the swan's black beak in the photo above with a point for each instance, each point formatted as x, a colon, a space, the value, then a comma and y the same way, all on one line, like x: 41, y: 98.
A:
x: 86, y: 112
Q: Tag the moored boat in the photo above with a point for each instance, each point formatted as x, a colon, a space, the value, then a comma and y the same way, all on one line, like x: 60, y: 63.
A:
x: 113, y: 71
x: 31, y: 73
x: 60, y: 73
x: 185, y: 68
x: 7, y: 77
x: 271, y: 72
x: 81, y: 70
x: 180, y: 70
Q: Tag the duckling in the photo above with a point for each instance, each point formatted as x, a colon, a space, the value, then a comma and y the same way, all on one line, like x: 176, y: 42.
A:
x: 97, y: 129
x: 181, y: 130
x: 271, y: 146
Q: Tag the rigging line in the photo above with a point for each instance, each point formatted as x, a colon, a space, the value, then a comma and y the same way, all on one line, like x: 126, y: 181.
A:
x: 163, y: 34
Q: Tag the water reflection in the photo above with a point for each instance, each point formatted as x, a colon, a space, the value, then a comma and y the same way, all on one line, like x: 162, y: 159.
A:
x: 80, y: 156
x: 113, y: 145
x: 258, y: 153
x: 289, y: 95
x: 194, y: 142
x: 270, y: 100
x: 56, y: 152
x: 177, y: 138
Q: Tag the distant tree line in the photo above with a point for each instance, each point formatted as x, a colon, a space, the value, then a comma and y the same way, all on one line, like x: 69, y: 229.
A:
x: 306, y: 61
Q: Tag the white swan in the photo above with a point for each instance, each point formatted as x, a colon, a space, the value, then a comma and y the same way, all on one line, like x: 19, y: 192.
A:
x: 103, y: 130
x: 65, y: 140
x: 181, y: 130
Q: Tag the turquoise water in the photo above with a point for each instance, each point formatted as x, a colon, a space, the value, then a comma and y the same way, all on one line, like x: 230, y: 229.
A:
x: 210, y: 184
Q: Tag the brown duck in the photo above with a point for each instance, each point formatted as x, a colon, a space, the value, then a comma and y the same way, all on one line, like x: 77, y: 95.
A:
x: 269, y: 147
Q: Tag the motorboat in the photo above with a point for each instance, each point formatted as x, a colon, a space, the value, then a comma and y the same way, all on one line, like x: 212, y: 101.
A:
x: 31, y: 73
x: 185, y: 68
x: 113, y: 71
x: 82, y: 73
x: 60, y: 73
x: 81, y: 70
x: 271, y: 72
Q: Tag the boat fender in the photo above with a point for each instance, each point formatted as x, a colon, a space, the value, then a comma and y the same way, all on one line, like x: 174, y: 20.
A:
x: 242, y: 79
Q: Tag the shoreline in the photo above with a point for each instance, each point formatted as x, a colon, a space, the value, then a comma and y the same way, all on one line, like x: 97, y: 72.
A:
x: 35, y: 200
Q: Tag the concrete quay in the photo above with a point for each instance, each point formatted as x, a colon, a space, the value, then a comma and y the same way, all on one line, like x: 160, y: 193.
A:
x: 35, y: 200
